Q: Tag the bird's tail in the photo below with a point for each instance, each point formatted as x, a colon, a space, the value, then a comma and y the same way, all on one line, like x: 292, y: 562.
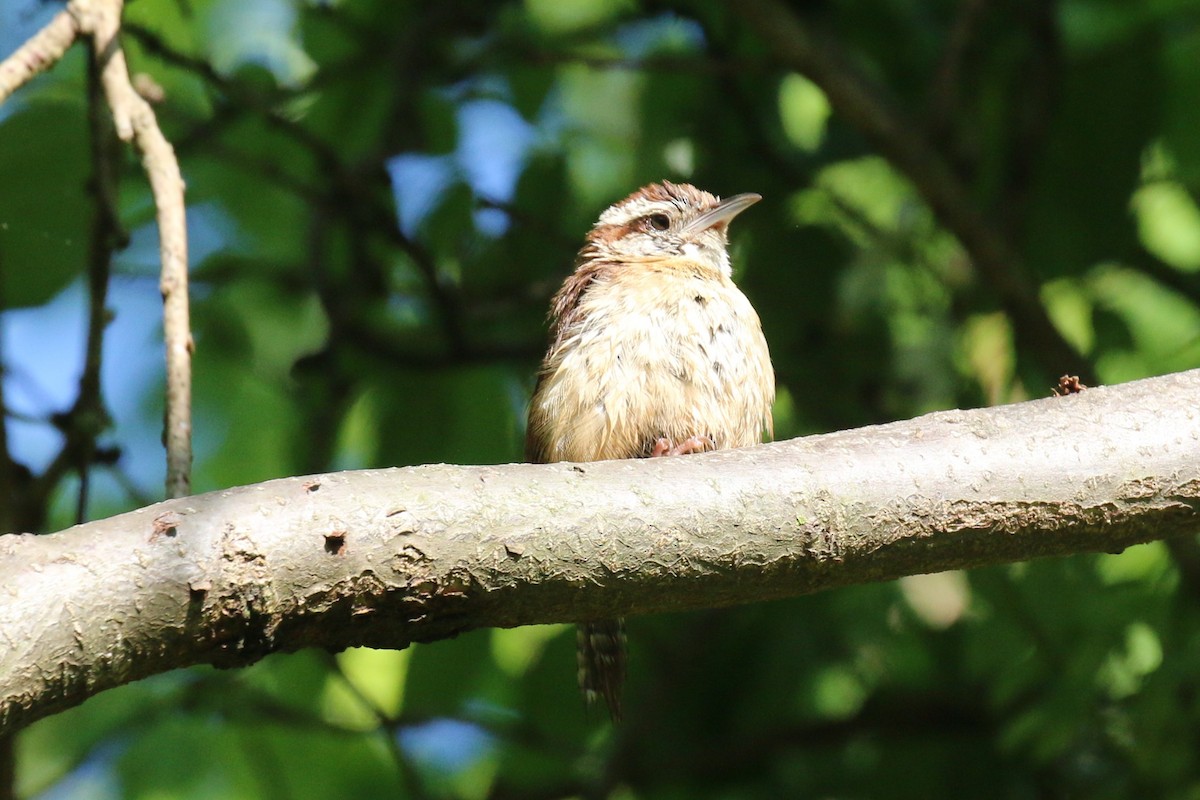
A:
x: 602, y: 650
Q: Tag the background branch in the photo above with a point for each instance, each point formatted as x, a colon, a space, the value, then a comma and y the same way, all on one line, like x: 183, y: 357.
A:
x: 867, y: 107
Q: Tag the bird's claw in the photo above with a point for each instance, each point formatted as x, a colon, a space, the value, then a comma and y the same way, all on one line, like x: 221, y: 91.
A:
x: 692, y: 444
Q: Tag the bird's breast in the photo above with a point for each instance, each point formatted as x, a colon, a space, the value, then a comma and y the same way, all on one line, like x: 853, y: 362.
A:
x: 654, y: 355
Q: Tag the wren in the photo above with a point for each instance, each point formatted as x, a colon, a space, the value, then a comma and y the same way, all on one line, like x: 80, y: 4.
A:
x: 653, y: 351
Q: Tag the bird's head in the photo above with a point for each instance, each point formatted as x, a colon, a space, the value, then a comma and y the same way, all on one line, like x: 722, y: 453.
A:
x: 668, y: 220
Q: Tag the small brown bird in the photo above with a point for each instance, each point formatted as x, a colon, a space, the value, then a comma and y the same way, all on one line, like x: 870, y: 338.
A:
x: 654, y: 351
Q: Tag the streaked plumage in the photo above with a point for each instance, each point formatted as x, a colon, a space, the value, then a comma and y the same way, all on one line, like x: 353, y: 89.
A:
x: 650, y: 341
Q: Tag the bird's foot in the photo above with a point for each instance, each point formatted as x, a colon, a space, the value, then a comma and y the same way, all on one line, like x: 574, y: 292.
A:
x: 692, y: 444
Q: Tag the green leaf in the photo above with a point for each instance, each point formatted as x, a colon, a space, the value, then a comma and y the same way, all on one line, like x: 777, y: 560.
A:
x: 444, y: 677
x: 45, y: 207
x: 804, y: 110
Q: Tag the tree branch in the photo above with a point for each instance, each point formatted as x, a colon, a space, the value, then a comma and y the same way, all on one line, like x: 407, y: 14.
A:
x: 384, y: 558
x: 135, y: 122
x: 38, y: 54
x: 872, y: 111
x: 89, y: 417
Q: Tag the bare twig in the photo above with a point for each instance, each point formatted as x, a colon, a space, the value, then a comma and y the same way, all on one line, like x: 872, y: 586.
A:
x: 8, y: 502
x: 9, y: 495
x: 1186, y: 284
x: 1033, y: 109
x: 8, y: 768
x: 135, y: 122
x: 365, y: 211
x: 38, y: 54
x: 668, y: 64
x: 387, y: 725
x: 133, y: 493
x: 89, y: 416
x: 945, y: 93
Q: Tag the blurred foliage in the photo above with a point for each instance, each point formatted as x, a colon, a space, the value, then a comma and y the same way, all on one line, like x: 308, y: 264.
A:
x: 385, y: 194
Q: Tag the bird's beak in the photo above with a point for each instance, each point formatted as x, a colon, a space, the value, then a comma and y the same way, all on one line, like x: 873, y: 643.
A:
x: 720, y: 216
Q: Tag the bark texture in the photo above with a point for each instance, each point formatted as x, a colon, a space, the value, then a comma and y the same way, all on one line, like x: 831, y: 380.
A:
x: 387, y: 557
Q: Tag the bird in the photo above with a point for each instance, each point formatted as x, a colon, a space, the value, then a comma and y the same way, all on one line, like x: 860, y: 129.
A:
x: 654, y: 351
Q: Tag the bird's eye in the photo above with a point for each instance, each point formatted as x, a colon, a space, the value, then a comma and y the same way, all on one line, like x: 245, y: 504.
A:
x: 660, y: 222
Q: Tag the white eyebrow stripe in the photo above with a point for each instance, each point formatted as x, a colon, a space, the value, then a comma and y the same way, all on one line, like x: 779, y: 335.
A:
x: 636, y: 209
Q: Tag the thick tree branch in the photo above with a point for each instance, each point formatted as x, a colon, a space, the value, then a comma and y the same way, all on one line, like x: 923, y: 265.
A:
x: 388, y: 557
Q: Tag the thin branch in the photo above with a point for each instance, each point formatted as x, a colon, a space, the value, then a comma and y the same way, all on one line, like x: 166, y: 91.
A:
x: 387, y: 726
x: 270, y: 171
x: 382, y: 344
x: 363, y: 211
x: 9, y: 497
x: 1187, y: 284
x: 8, y: 767
x: 666, y: 64
x: 257, y: 99
x: 945, y: 93
x: 388, y: 557
x: 366, y: 212
x: 1035, y: 96
x: 869, y: 108
x: 240, y: 100
x: 133, y: 493
x: 157, y: 46
x: 10, y: 493
x: 89, y: 417
x: 39, y: 53
x: 135, y: 122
